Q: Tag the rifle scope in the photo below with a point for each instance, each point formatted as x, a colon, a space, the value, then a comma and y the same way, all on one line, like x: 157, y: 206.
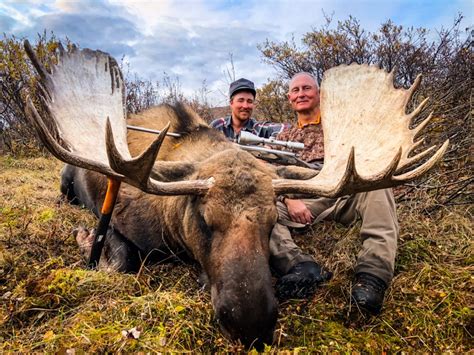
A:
x: 250, y: 138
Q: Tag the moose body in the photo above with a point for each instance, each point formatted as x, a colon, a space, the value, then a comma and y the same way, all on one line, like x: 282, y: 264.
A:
x: 226, y: 230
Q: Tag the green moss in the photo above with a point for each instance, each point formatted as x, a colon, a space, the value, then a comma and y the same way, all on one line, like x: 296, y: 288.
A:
x: 46, y: 215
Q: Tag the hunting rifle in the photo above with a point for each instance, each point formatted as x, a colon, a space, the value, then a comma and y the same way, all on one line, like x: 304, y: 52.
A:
x: 251, y: 142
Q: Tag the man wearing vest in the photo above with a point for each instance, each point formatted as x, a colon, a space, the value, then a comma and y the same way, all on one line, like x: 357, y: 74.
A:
x: 300, y: 274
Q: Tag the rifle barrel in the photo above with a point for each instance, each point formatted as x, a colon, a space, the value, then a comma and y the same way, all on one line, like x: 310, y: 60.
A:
x: 265, y: 150
x: 154, y: 131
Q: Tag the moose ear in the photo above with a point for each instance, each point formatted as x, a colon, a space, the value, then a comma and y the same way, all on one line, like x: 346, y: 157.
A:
x: 295, y: 172
x: 168, y: 171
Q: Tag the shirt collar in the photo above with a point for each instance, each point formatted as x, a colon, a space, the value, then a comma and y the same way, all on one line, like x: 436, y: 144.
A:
x: 248, y: 124
x: 228, y: 121
x: 316, y: 121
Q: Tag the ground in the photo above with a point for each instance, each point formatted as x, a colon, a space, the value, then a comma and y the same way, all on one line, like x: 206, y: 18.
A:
x: 49, y: 302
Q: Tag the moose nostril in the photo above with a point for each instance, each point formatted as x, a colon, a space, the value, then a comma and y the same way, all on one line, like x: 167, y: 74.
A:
x: 253, y: 326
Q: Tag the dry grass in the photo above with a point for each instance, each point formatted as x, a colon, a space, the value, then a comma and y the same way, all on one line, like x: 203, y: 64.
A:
x: 50, y: 303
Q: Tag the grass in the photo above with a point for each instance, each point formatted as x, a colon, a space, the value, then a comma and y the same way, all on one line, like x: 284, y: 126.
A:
x: 51, y: 303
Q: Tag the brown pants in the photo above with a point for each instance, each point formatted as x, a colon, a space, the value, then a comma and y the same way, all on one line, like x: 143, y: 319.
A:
x: 379, y: 231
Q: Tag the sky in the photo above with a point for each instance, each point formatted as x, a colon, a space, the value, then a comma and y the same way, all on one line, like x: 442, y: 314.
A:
x: 193, y: 40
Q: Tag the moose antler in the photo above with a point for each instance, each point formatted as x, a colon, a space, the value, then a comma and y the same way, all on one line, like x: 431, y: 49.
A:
x: 367, y: 139
x: 82, y: 121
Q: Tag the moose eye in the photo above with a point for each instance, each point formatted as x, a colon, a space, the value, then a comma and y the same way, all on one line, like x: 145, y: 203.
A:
x: 204, y: 227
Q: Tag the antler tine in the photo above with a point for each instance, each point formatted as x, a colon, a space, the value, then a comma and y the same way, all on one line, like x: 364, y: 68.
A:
x: 424, y: 168
x: 192, y: 187
x: 139, y: 168
x: 415, y: 145
x: 422, y: 125
x: 44, y: 95
x: 417, y: 110
x: 350, y: 174
x: 414, y: 86
x: 415, y: 159
x: 409, y: 93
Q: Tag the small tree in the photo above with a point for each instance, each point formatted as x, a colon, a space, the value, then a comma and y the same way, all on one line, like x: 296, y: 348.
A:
x: 141, y: 93
x: 272, y: 103
x: 16, y: 82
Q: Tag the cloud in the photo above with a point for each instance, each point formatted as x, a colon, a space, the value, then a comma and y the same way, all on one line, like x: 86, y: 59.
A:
x: 199, y: 57
x: 7, y: 23
x: 108, y: 33
x: 193, y: 39
x: 90, y: 24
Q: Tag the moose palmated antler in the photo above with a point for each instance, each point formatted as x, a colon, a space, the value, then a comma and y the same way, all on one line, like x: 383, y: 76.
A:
x: 82, y: 120
x: 367, y: 139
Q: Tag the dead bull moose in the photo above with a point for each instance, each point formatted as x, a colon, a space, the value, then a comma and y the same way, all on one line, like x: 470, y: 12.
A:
x: 202, y: 194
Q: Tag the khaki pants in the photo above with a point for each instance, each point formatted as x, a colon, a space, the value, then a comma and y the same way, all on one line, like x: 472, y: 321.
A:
x: 379, y: 231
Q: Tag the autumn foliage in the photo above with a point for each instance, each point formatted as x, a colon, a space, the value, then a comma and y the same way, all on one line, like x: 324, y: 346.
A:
x: 16, y: 81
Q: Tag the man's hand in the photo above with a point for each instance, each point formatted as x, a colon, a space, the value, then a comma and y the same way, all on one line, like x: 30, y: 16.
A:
x: 298, y: 211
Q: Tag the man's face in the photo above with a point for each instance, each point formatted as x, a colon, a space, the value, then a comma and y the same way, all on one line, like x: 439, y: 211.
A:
x: 242, y: 105
x: 303, y: 94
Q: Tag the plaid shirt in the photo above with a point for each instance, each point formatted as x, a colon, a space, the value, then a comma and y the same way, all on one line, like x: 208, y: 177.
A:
x: 261, y: 129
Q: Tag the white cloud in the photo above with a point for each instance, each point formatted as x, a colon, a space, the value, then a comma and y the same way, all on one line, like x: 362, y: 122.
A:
x: 18, y: 16
x: 193, y: 38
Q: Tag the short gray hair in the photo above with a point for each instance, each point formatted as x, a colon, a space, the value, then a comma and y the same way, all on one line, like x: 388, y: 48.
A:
x: 305, y: 73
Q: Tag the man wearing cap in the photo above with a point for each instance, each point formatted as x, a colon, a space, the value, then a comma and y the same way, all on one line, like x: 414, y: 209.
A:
x: 242, y: 102
x: 379, y: 230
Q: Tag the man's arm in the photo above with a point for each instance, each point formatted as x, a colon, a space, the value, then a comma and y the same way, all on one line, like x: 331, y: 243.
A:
x: 312, y: 153
x: 298, y: 211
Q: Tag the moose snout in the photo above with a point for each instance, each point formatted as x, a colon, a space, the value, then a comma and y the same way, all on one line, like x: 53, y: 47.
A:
x: 246, y: 312
x: 241, y: 284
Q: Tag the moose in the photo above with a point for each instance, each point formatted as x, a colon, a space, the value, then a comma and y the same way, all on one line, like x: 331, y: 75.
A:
x: 198, y: 193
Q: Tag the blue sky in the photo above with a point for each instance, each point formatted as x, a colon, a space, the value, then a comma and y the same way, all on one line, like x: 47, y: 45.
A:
x: 193, y: 39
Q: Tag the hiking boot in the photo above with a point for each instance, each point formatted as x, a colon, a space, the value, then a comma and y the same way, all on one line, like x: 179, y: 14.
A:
x: 368, y: 292
x: 301, y: 281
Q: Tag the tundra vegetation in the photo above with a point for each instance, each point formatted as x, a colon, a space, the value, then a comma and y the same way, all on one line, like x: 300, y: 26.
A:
x: 50, y: 302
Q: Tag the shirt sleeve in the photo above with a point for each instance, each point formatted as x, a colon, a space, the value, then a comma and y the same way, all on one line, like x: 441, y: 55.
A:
x: 218, y: 124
